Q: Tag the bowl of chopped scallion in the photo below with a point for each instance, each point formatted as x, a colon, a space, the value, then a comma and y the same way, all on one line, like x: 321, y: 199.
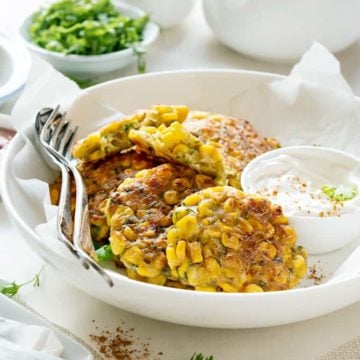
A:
x: 89, y: 37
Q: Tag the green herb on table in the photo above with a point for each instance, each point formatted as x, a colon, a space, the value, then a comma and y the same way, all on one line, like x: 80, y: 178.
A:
x: 339, y: 194
x: 200, y: 356
x: 87, y: 27
x: 12, y: 288
x: 105, y: 253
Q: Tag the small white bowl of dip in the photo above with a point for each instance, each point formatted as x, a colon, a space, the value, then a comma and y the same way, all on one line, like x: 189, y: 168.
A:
x: 318, y: 189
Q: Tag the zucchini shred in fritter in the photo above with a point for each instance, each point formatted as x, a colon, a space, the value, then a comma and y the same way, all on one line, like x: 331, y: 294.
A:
x: 164, y: 195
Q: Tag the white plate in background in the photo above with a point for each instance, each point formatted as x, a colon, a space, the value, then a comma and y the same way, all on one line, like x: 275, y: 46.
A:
x: 14, y: 64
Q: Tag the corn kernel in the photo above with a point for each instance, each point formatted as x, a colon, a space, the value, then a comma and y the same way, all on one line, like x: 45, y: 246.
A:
x: 181, y: 250
x: 180, y: 150
x: 149, y: 232
x: 103, y: 231
x: 117, y: 242
x: 141, y: 174
x: 168, y: 117
x: 212, y: 233
x: 213, y: 266
x: 161, y: 109
x: 147, y: 270
x: 245, y: 226
x: 282, y: 274
x: 253, y: 288
x: 255, y: 223
x: 173, y: 236
x: 195, y: 252
x: 183, y: 268
x: 169, y: 141
x: 207, y: 252
x: 159, y: 262
x: 187, y: 226
x: 231, y: 242
x: 290, y: 234
x: 197, y: 275
x: 299, y: 265
x: 133, y: 255
x: 205, y: 288
x: 281, y: 219
x: 129, y: 233
x: 269, y: 249
x: 205, y: 208
x: 174, y: 273
x: 179, y: 213
x: 192, y: 200
x: 229, y: 205
x: 207, y: 150
x: 132, y: 274
x: 207, y: 221
x: 172, y: 259
x: 182, y: 112
x: 228, y: 287
x: 157, y: 280
x: 171, y: 197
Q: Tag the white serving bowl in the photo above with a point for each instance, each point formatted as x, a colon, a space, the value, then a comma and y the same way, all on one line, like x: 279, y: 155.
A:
x: 14, y: 64
x: 317, y: 234
x: 283, y: 29
x: 87, y: 65
x: 166, y: 13
x: 211, y: 90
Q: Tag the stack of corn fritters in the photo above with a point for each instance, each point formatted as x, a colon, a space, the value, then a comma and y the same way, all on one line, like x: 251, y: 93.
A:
x: 164, y: 194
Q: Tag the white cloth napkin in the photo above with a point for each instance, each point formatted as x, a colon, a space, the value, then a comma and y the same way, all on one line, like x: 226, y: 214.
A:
x: 31, y: 342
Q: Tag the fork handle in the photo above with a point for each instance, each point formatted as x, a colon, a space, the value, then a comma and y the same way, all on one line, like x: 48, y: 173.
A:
x: 82, y: 236
x: 65, y: 221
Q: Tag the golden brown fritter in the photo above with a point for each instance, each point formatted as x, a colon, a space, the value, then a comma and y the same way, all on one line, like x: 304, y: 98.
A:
x: 113, y: 137
x: 176, y: 144
x: 236, y: 139
x: 140, y: 211
x: 101, y: 177
x: 225, y: 240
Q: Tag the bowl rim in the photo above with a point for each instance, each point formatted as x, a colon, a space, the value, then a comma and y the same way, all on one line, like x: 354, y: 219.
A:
x: 21, y: 62
x: 5, y: 173
x: 151, y: 33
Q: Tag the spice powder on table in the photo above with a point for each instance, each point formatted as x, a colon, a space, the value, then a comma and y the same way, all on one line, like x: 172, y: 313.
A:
x: 121, y: 345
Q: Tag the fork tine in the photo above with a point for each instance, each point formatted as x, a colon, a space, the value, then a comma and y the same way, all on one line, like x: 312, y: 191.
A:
x: 69, y: 145
x: 66, y: 138
x: 47, y: 127
x: 59, y: 126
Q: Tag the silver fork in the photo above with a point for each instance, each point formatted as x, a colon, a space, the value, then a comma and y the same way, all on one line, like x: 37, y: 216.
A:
x: 64, y: 221
x: 56, y: 136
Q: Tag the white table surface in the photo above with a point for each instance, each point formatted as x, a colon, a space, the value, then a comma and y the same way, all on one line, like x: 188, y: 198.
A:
x: 190, y: 45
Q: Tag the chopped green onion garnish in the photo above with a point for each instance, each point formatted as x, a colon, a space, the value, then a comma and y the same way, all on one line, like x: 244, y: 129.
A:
x: 339, y: 194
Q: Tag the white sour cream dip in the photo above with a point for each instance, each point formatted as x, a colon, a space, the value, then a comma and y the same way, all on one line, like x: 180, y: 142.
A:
x: 297, y: 185
x: 294, y: 178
